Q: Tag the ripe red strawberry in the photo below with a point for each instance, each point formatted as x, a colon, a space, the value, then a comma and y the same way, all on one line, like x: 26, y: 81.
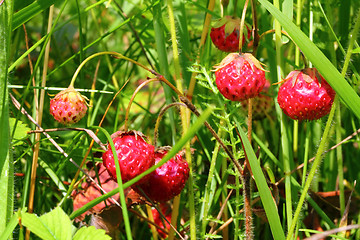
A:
x: 305, y: 95
x: 262, y: 105
x: 166, y: 181
x: 134, y: 153
x: 225, y: 34
x: 68, y: 106
x: 240, y: 76
x: 166, y: 211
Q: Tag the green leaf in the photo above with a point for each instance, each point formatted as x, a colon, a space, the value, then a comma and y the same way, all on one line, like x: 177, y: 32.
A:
x: 320, y: 61
x: 21, y: 131
x: 267, y: 200
x: 356, y: 50
x: 91, y: 233
x: 55, y: 225
x: 6, y: 160
x: 30, y: 11
x: 14, y: 221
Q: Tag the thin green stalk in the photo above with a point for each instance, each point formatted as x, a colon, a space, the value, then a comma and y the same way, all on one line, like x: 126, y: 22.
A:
x: 210, y: 184
x: 313, y: 169
x: 185, y: 117
x: 339, y: 157
x: 306, y: 153
x: 283, y: 124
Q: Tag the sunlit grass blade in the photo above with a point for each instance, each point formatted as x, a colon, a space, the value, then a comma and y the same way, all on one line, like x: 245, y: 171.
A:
x: 6, y: 160
x: 264, y: 191
x: 31, y: 11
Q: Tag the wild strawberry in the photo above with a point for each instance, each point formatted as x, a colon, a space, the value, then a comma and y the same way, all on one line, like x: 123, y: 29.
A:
x: 305, y: 95
x: 135, y: 155
x: 166, y: 211
x: 90, y: 191
x: 166, y: 181
x: 225, y: 34
x: 240, y: 76
x: 68, y: 106
x: 262, y: 105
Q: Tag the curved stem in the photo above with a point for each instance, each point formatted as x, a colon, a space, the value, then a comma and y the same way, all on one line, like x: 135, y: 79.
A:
x: 116, y: 54
x: 132, y: 99
x: 161, y: 114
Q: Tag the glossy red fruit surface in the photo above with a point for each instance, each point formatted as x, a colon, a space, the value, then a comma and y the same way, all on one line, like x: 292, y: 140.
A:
x: 305, y: 95
x: 225, y: 34
x: 135, y: 155
x: 68, y: 106
x: 168, y: 180
x: 240, y: 77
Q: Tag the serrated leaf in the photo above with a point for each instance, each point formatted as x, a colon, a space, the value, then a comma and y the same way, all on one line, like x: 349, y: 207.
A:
x: 55, y: 225
x: 21, y: 131
x: 91, y: 233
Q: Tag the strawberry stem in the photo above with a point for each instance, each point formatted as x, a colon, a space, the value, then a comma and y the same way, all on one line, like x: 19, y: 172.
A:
x: 117, y: 55
x: 242, y: 25
x: 161, y: 114
x: 132, y: 99
x: 255, y: 26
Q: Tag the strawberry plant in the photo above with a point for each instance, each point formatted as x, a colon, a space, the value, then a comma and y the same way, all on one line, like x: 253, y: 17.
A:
x: 257, y: 100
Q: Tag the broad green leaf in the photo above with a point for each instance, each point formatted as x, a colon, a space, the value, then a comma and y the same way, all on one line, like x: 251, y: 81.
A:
x: 267, y: 200
x: 30, y: 11
x: 6, y: 161
x: 91, y: 233
x: 320, y: 61
x: 55, y: 225
x: 21, y: 131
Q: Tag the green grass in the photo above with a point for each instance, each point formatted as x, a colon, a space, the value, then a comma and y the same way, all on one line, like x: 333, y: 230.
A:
x: 162, y: 39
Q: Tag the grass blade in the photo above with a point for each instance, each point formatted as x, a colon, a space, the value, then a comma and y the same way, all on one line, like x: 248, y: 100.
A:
x: 264, y: 191
x: 6, y: 161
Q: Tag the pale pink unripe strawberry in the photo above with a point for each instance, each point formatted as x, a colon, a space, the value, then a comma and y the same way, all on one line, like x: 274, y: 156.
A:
x: 305, y: 95
x: 240, y: 76
x: 68, y: 106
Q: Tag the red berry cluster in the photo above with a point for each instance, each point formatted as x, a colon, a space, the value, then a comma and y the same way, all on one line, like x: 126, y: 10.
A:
x: 135, y: 156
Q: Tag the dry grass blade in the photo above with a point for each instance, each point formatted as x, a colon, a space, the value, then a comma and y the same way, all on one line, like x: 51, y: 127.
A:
x: 322, y: 235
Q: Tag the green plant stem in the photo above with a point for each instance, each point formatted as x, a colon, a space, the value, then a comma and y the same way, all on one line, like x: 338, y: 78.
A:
x: 185, y: 118
x: 209, y: 186
x: 283, y: 125
x: 118, y: 55
x: 306, y: 153
x: 242, y: 25
x: 313, y: 169
x: 338, y: 117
